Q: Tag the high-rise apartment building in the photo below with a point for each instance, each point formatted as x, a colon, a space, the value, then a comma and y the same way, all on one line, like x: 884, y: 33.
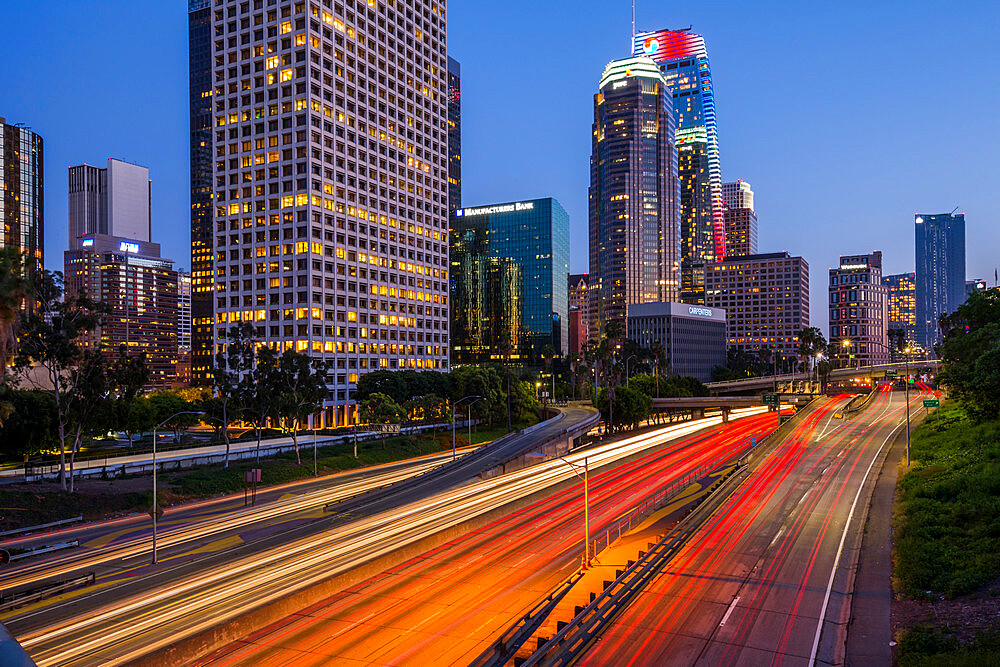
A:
x: 201, y: 63
x: 940, y: 264
x: 740, y: 217
x: 112, y: 259
x: 634, y: 192
x: 683, y: 60
x: 454, y: 135
x: 901, y: 306
x: 579, y: 311
x: 329, y: 181
x: 766, y: 298
x: 183, y: 312
x: 858, y: 312
x: 22, y: 192
x: 113, y: 201
x: 509, y: 264
x: 139, y: 289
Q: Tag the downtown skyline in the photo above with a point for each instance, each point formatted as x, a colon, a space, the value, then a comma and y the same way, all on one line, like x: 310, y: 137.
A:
x: 846, y: 178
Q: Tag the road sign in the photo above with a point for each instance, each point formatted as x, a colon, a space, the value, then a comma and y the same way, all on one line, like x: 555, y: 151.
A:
x: 158, y: 510
x: 932, y: 403
x: 890, y: 373
x: 385, y: 428
x: 753, y: 441
x: 783, y: 418
x: 4, y: 556
x: 937, y: 394
x: 770, y: 399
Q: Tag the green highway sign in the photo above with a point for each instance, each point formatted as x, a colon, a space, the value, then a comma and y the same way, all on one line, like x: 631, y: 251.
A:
x: 932, y: 403
x: 770, y: 399
x: 890, y: 374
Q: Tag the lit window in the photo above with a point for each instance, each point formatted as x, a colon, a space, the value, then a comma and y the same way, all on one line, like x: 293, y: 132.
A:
x: 286, y: 27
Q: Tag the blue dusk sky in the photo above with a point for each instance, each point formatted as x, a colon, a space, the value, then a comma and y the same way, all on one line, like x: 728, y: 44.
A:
x: 847, y: 118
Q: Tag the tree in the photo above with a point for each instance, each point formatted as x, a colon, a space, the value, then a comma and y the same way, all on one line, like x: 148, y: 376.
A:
x: 128, y: 375
x: 970, y: 353
x: 50, y: 341
x: 90, y: 403
x: 15, y: 288
x: 30, y: 426
x: 480, y: 381
x: 629, y: 408
x: 259, y: 387
x: 381, y: 409
x: 302, y: 382
x: 811, y: 341
x: 228, y: 367
x: 166, y: 404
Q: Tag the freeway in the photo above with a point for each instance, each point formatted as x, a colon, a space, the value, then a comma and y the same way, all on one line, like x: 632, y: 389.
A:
x: 446, y: 605
x: 135, y: 608
x: 766, y: 579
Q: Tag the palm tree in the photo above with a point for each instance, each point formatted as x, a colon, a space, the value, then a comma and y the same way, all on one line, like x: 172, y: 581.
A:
x: 14, y: 289
x: 659, y: 354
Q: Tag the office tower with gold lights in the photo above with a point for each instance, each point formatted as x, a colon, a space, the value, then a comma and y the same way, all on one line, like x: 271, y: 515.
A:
x: 326, y: 185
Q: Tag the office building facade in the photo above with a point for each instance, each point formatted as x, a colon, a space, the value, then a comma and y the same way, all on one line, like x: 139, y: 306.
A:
x: 766, y: 299
x: 509, y: 264
x: 740, y: 218
x: 682, y: 58
x: 940, y: 271
x: 579, y: 311
x: 22, y: 191
x: 858, y: 312
x: 454, y: 135
x: 901, y: 313
x: 329, y: 196
x: 200, y: 95
x: 634, y: 197
x: 112, y: 201
x: 139, y: 289
x: 693, y: 336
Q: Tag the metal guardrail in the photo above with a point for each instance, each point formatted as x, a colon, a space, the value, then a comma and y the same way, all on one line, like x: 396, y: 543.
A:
x: 44, y: 550
x: 504, y: 648
x: 10, y: 601
x: 31, y: 529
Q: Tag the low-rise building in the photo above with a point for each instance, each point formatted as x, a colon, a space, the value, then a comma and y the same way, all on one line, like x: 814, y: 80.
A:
x: 693, y: 337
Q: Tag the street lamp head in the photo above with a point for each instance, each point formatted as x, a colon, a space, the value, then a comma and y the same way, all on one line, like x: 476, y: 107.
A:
x: 846, y: 342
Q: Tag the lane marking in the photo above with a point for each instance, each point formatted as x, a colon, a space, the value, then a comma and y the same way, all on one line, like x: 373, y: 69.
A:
x: 840, y: 550
x: 779, y: 534
x: 732, y: 608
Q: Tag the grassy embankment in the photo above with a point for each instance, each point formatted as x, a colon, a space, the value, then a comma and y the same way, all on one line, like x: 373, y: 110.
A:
x: 99, y: 499
x: 947, y: 537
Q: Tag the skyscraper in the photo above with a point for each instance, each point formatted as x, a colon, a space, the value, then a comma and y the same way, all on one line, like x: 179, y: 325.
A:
x: 22, y: 192
x: 114, y: 201
x: 200, y: 90
x: 579, y: 311
x: 634, y: 192
x: 454, y: 135
x: 740, y: 217
x: 112, y: 259
x: 901, y: 305
x: 683, y: 59
x: 509, y: 267
x: 329, y: 183
x: 858, y: 311
x: 940, y: 264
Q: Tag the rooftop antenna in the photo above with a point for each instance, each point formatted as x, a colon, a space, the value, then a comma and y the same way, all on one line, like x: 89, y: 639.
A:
x: 953, y: 211
x: 631, y: 46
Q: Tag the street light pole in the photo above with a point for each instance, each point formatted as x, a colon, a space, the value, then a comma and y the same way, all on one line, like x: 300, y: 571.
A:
x: 156, y: 505
x: 626, y: 369
x: 454, y: 450
x: 470, y: 418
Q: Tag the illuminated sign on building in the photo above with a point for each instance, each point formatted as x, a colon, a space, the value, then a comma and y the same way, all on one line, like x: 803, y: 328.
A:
x: 86, y: 243
x: 853, y: 266
x: 490, y: 210
x: 702, y: 312
x: 128, y: 246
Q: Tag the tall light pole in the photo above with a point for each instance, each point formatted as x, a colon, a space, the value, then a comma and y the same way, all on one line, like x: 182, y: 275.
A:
x: 454, y: 451
x: 631, y: 357
x: 156, y: 505
x: 470, y: 418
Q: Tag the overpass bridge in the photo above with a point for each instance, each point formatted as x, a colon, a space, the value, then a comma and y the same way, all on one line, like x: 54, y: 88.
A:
x: 797, y: 383
x: 697, y: 405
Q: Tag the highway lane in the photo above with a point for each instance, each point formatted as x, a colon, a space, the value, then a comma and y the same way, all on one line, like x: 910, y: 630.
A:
x: 764, y: 579
x: 445, y: 606
x: 224, y: 522
x: 132, y: 617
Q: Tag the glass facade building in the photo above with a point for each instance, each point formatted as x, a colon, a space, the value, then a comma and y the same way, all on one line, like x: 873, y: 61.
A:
x: 682, y: 58
x: 509, y: 291
x: 454, y: 135
x: 901, y: 304
x: 22, y: 201
x: 940, y: 274
x: 634, y: 197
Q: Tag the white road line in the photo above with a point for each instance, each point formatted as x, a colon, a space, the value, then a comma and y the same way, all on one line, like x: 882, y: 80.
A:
x: 732, y: 608
x: 779, y: 534
x: 840, y: 550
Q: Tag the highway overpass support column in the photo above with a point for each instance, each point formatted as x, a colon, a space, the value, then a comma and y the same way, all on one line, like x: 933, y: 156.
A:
x: 725, y: 415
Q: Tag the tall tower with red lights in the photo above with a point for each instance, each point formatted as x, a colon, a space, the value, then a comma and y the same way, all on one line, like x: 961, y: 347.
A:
x: 682, y: 58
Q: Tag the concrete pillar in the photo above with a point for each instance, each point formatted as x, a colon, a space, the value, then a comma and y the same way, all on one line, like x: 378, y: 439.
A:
x: 725, y: 415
